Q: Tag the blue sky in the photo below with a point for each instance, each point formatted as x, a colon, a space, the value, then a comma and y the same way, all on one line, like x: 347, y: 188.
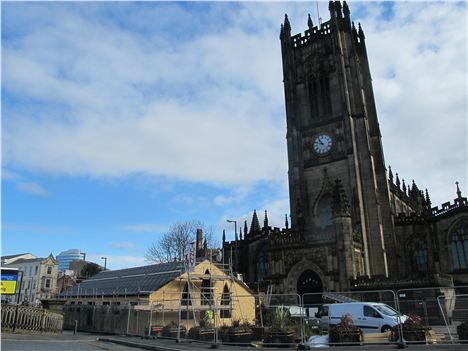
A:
x: 119, y: 119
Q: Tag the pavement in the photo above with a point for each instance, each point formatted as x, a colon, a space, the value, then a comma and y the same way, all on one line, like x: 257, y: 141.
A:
x: 169, y: 344
x: 67, y: 341
x: 57, y: 342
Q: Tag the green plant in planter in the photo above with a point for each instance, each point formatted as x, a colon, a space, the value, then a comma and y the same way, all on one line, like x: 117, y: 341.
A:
x: 171, y: 329
x: 204, y: 331
x: 413, y: 330
x: 240, y: 332
x: 282, y: 328
x: 462, y: 331
x: 345, y: 332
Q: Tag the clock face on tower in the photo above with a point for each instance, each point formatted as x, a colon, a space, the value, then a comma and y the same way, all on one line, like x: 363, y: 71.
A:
x: 323, y: 144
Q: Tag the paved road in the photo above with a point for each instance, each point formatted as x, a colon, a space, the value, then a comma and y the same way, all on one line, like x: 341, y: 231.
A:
x: 65, y: 342
x: 89, y: 342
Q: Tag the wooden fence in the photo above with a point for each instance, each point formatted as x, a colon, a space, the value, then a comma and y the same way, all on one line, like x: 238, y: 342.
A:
x: 30, y: 318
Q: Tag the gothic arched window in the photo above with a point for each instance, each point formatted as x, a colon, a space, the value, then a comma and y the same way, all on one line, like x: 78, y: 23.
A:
x: 262, y: 267
x: 459, y: 245
x: 324, y: 212
x: 417, y: 252
x: 206, y: 290
x: 313, y: 98
x: 186, y: 299
x: 325, y: 90
x: 225, y: 311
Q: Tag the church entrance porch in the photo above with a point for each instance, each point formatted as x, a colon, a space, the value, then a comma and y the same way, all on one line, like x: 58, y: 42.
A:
x: 306, y: 277
x: 309, y: 287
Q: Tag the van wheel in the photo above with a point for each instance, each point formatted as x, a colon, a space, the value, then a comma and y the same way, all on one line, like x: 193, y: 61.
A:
x: 386, y: 329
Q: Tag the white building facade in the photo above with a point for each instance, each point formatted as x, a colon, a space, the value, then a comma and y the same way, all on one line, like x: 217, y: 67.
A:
x: 39, y: 278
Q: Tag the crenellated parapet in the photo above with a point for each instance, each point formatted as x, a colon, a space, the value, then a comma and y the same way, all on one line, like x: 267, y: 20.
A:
x: 311, y: 35
x: 339, y: 19
x: 446, y: 207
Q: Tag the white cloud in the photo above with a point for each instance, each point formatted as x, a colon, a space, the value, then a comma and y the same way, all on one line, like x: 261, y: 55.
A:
x: 239, y: 194
x: 211, y: 109
x: 422, y: 103
x: 8, y: 175
x: 32, y: 188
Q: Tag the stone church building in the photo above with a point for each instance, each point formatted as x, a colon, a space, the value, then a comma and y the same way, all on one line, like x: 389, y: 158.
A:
x: 354, y: 224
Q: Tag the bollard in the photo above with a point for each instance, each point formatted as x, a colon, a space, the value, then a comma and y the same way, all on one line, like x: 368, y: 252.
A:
x: 76, y: 327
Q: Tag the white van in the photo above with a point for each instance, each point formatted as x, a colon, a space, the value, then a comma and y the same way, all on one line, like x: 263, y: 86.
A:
x: 371, y: 317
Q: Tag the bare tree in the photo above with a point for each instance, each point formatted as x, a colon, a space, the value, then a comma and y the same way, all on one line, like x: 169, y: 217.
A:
x: 173, y: 244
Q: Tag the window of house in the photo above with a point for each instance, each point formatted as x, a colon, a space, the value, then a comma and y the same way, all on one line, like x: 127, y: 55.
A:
x: 49, y: 270
x: 47, y: 283
x: 186, y: 300
x: 35, y: 270
x: 417, y: 250
x: 206, y: 291
x: 225, y: 311
x: 459, y: 246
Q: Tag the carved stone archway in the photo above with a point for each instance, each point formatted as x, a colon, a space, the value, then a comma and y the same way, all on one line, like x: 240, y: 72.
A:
x: 297, y: 270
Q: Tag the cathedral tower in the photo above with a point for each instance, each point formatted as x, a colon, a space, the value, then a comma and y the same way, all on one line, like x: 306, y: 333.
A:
x: 337, y: 179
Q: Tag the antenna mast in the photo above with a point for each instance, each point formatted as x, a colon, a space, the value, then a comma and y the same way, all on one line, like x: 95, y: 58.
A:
x: 318, y: 15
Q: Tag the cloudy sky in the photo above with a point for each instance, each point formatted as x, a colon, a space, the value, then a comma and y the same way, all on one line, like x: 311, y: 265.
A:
x: 119, y: 119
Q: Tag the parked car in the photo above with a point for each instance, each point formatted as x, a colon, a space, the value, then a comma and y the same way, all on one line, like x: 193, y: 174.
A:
x: 371, y: 317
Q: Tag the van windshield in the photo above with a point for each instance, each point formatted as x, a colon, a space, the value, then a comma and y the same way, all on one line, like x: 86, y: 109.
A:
x: 385, y: 309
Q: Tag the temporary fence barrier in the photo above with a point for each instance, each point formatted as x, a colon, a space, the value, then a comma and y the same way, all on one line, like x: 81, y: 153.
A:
x: 279, y: 319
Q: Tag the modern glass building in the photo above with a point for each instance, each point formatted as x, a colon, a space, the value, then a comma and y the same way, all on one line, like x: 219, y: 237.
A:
x: 66, y: 257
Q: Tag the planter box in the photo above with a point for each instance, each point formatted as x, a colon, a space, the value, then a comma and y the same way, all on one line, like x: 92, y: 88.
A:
x: 462, y: 331
x: 258, y: 333
x: 172, y: 332
x: 415, y: 336
x: 345, y: 338
x: 207, y: 334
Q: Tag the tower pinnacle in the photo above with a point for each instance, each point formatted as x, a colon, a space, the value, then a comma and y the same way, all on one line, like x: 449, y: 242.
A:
x: 310, y: 24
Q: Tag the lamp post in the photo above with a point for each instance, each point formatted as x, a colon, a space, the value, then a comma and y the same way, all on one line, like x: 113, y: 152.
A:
x: 235, y: 227
x: 235, y: 236
x: 105, y: 262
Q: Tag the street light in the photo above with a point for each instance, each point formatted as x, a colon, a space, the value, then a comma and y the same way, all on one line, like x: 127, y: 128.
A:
x: 235, y: 226
x: 235, y: 243
x: 105, y: 262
